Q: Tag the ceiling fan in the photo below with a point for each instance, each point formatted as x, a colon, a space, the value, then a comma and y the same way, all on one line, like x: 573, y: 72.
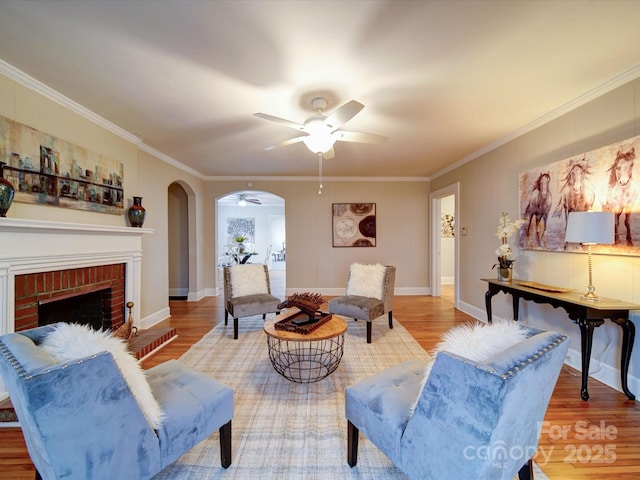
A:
x: 243, y: 200
x: 321, y: 131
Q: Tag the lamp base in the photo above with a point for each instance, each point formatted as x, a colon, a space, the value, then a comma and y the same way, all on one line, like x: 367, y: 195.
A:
x: 591, y: 296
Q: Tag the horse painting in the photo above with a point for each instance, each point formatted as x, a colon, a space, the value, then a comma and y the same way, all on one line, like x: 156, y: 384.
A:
x: 622, y: 193
x: 538, y: 207
x: 577, y: 193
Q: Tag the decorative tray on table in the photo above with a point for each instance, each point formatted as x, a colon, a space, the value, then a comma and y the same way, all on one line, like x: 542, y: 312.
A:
x: 299, y: 322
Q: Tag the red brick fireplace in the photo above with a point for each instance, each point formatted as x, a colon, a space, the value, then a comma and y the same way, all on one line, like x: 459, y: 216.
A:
x: 34, y: 290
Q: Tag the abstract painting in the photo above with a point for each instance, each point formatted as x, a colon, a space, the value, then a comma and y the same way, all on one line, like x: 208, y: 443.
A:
x: 241, y: 226
x: 354, y: 224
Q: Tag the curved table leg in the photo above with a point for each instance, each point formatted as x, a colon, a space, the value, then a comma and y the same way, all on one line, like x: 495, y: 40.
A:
x: 628, y: 336
x: 487, y: 301
x: 586, y: 341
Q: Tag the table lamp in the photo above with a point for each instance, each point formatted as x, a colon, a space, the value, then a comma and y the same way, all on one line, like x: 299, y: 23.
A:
x: 590, y: 228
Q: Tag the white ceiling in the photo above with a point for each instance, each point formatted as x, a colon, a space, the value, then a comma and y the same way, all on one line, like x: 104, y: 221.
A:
x: 443, y: 80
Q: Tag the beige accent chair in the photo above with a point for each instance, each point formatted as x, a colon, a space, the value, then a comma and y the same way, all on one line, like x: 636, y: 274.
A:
x: 247, y: 292
x: 369, y: 294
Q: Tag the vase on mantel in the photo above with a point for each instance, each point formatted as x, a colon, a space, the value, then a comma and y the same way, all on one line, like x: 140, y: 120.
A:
x: 136, y: 213
x: 6, y: 192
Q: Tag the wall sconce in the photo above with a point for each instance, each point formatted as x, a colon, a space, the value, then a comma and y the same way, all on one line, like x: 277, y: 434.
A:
x: 590, y: 228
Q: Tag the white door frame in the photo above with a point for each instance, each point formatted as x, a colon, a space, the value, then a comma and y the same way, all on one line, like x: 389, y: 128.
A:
x: 436, y: 268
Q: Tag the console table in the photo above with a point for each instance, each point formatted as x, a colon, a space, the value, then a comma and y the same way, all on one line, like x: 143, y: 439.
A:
x: 587, y: 315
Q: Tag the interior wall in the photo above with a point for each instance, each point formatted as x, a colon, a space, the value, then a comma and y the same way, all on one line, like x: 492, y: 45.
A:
x: 144, y: 175
x: 489, y: 186
x: 402, y: 219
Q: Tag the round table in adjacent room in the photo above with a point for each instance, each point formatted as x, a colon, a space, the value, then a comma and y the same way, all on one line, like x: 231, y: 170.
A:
x: 306, y: 357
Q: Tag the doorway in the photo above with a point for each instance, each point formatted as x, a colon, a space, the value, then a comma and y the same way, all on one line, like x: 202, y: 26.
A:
x: 181, y: 242
x: 260, y: 217
x: 445, y: 241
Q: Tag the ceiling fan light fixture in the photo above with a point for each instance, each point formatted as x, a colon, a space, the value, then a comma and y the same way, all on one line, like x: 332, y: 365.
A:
x: 320, y: 140
x: 319, y: 143
x: 242, y: 200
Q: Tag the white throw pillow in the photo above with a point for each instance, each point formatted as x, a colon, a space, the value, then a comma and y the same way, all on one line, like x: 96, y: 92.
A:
x: 479, y: 342
x: 248, y: 280
x: 71, y: 341
x: 366, y: 280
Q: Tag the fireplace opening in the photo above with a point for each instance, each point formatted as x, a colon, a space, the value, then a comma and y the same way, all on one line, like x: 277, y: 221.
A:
x: 91, y: 308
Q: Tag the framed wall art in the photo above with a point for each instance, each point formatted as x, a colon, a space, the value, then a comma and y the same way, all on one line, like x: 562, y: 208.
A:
x: 354, y: 224
x: 600, y: 180
x: 245, y: 227
x: 47, y: 170
x: 447, y: 225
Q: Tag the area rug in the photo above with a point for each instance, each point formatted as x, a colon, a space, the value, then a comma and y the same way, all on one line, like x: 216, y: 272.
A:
x: 285, y: 430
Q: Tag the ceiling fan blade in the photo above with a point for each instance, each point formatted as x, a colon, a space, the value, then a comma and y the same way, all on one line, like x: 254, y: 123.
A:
x: 358, y: 137
x: 291, y: 141
x: 254, y: 200
x: 329, y: 154
x: 343, y: 114
x: 281, y: 121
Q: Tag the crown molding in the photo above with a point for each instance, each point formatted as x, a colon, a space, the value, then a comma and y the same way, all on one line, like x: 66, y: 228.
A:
x: 31, y: 83
x: 315, y: 179
x: 615, y: 82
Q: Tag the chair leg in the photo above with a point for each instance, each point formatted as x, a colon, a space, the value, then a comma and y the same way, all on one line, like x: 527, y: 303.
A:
x: 226, y: 317
x: 390, y: 320
x: 352, y: 444
x: 235, y: 328
x: 264, y: 316
x: 369, y: 331
x: 225, y: 444
x: 526, y: 472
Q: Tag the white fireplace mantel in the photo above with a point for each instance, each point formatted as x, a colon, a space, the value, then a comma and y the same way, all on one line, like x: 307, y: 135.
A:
x: 33, y: 246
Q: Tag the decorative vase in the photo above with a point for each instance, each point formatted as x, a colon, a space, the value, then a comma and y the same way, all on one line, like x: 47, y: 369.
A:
x: 136, y: 213
x: 241, y: 247
x: 505, y: 274
x: 6, y: 192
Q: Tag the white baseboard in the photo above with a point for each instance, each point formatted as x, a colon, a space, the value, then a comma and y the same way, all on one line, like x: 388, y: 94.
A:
x: 150, y: 320
x: 178, y: 292
x: 196, y: 296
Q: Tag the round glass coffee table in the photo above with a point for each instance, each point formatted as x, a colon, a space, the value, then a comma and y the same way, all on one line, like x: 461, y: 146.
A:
x: 309, y: 357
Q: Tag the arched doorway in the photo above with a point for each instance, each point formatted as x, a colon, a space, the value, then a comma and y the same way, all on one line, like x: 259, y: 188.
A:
x: 181, y: 242
x: 260, y: 216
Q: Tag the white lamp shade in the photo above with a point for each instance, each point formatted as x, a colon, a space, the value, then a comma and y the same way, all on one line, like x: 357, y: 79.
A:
x: 590, y: 227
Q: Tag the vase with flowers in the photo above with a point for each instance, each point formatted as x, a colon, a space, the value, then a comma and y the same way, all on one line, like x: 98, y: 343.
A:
x: 240, y: 239
x: 506, y: 229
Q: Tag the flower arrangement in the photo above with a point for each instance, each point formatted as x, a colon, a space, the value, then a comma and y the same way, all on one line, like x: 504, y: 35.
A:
x: 506, y: 229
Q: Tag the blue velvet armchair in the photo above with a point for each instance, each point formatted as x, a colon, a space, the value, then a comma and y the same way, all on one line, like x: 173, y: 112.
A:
x: 463, y: 419
x: 81, y: 421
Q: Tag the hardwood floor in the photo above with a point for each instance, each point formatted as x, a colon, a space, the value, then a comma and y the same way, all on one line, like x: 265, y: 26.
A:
x: 582, y: 440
